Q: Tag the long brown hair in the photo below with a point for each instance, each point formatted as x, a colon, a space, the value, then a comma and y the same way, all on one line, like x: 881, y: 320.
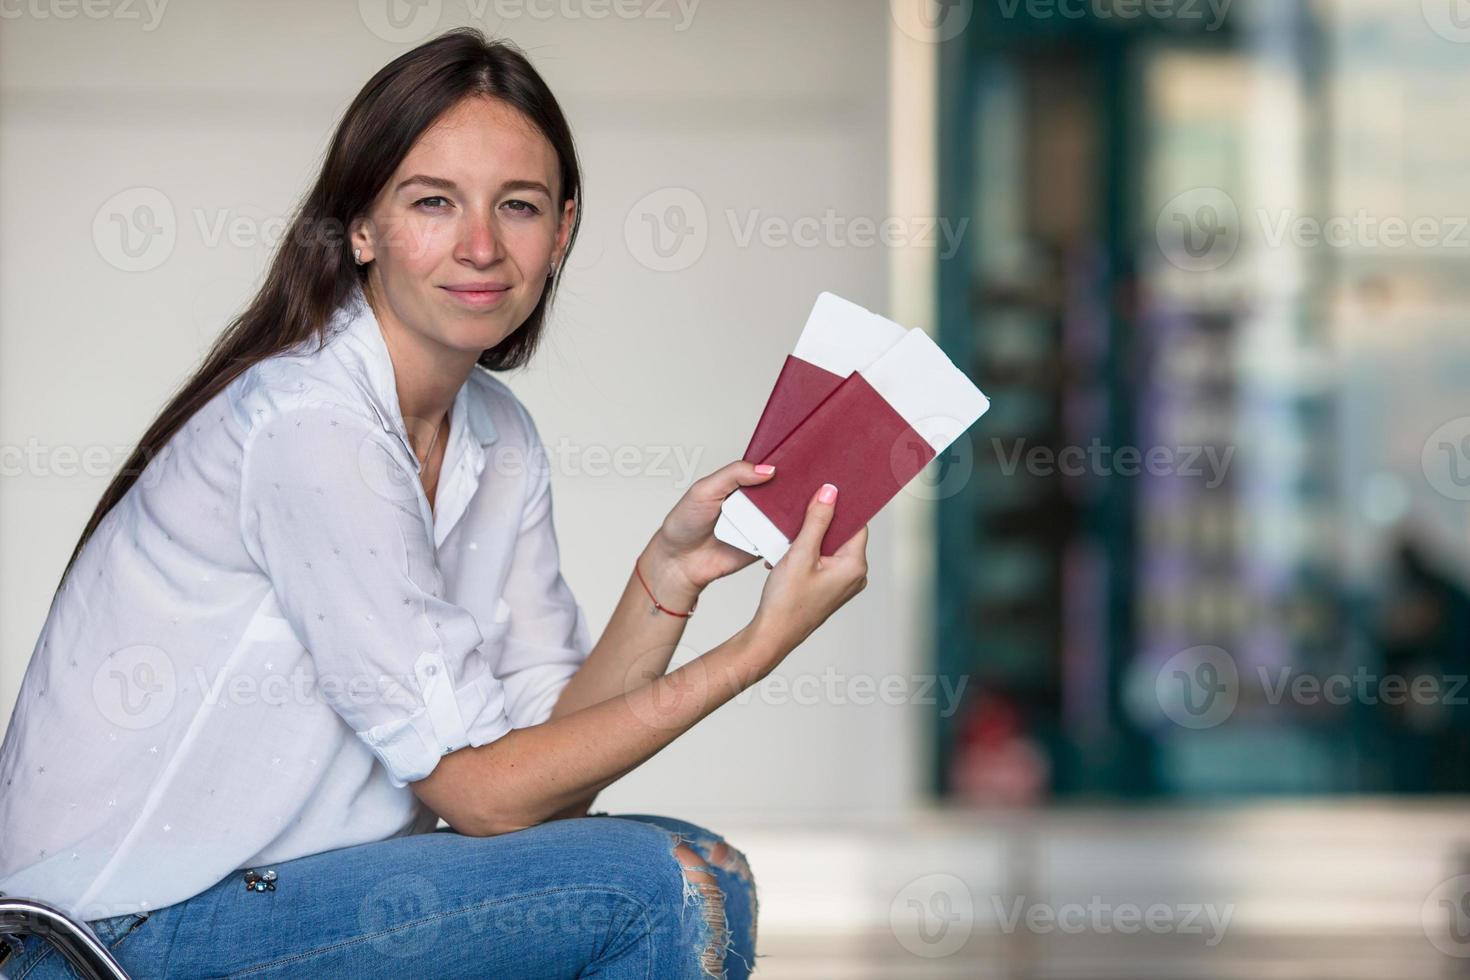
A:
x: 313, y: 270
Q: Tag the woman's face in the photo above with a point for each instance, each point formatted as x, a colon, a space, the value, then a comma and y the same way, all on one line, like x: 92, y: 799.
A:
x: 463, y: 235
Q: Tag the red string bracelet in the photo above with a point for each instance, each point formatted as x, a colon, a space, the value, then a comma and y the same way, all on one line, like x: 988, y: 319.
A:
x: 656, y: 603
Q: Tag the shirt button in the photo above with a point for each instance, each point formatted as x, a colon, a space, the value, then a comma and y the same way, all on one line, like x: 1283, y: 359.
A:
x: 431, y: 670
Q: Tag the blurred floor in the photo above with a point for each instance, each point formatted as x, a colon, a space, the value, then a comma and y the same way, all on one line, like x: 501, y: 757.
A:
x: 878, y: 957
x: 1347, y: 889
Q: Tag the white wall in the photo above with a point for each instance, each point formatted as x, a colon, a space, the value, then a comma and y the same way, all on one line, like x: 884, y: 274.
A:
x: 761, y: 108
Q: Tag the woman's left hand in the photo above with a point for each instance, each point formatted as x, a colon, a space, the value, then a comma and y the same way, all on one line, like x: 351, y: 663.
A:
x: 687, y: 536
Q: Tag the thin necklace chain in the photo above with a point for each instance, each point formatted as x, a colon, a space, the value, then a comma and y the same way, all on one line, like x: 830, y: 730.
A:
x: 425, y: 461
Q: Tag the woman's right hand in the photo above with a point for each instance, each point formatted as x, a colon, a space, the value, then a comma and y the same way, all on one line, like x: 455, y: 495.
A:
x: 804, y: 587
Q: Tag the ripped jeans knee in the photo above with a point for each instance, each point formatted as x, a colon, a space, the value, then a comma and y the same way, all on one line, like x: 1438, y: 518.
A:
x: 719, y: 884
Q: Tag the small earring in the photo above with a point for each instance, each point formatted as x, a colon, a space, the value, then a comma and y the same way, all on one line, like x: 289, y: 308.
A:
x: 357, y: 255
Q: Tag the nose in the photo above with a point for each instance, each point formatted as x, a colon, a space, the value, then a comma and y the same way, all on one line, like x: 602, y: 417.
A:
x: 479, y: 242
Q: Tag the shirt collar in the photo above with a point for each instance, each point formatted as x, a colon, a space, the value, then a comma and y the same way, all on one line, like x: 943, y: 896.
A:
x: 366, y: 355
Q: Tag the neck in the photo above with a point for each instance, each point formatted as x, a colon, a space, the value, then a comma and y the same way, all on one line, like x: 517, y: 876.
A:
x: 427, y: 375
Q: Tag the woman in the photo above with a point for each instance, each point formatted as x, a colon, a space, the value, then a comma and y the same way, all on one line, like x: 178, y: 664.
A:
x: 329, y: 612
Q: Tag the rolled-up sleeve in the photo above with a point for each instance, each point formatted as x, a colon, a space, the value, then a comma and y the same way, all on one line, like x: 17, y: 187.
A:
x: 333, y: 516
x: 549, y: 638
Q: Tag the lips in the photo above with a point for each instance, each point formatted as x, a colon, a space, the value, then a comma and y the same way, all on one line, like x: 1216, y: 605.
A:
x: 478, y: 287
x: 478, y: 295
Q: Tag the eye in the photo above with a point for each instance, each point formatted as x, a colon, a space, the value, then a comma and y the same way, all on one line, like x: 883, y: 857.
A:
x: 526, y: 207
x: 423, y: 201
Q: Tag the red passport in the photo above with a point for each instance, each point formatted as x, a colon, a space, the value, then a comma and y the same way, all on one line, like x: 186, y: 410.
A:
x: 870, y: 435
x: 839, y: 338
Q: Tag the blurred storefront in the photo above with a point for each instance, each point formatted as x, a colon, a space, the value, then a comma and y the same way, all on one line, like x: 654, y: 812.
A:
x: 1214, y: 542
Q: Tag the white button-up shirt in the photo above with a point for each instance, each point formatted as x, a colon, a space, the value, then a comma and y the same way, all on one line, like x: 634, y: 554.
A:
x: 272, y: 634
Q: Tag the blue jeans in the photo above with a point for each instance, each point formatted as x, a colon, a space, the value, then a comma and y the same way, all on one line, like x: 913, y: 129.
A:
x: 604, y: 895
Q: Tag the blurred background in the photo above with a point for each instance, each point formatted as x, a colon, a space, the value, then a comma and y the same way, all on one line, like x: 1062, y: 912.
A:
x: 1162, y: 670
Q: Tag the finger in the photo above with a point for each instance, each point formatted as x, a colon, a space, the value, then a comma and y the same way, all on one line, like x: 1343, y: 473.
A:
x: 854, y: 546
x: 818, y: 517
x: 727, y: 479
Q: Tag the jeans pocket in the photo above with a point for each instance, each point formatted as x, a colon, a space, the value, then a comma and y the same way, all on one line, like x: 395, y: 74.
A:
x: 126, y: 928
x: 114, y: 930
x: 22, y: 956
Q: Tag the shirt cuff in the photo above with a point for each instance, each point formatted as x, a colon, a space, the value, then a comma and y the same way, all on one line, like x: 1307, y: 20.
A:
x: 411, y: 747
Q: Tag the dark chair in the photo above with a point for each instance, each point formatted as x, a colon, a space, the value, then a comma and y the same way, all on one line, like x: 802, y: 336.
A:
x: 87, y: 954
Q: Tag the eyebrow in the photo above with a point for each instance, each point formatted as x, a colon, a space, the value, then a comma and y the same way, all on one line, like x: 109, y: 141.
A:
x: 445, y: 184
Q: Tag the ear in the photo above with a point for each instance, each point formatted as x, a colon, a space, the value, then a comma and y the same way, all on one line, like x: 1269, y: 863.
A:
x: 360, y: 235
x: 564, y: 232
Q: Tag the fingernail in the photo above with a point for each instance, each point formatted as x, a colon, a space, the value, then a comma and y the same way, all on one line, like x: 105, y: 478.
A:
x: 827, y: 494
x: 764, y: 468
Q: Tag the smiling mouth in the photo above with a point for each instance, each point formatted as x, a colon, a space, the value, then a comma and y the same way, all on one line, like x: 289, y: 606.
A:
x: 488, y: 294
x: 489, y: 287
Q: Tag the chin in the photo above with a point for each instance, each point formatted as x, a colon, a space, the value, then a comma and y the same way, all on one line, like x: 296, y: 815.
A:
x: 470, y: 331
x: 481, y: 337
